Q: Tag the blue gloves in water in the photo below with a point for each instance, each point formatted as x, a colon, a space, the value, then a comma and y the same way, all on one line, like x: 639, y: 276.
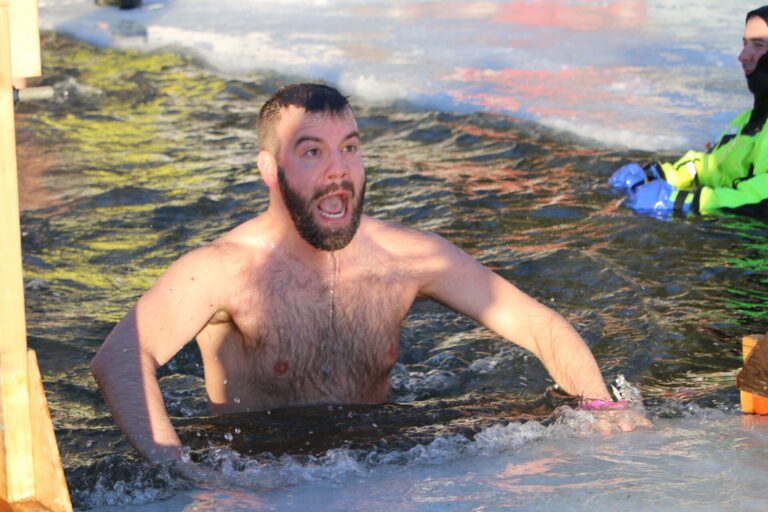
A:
x: 633, y: 175
x: 648, y: 192
x: 659, y: 197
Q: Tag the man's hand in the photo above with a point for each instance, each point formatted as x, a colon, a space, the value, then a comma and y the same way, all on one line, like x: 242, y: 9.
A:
x: 619, y: 420
x: 200, y: 475
x: 624, y: 415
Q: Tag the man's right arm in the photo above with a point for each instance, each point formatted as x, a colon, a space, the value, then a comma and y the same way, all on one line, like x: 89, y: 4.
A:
x: 168, y: 316
x: 126, y: 375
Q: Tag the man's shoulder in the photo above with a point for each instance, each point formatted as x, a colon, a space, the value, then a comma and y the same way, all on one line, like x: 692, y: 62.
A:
x: 423, y: 255
x: 404, y: 241
x: 379, y: 228
x: 235, y: 246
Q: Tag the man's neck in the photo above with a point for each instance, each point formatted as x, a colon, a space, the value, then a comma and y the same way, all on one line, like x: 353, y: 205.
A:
x: 289, y: 239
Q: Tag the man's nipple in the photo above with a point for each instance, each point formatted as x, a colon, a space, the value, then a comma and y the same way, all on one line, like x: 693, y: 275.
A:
x: 281, y: 368
x: 393, y: 351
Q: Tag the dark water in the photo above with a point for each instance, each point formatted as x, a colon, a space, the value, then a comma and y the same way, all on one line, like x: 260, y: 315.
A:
x: 140, y: 158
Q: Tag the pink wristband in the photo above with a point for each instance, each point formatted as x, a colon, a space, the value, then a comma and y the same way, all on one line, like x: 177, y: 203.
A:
x: 601, y: 405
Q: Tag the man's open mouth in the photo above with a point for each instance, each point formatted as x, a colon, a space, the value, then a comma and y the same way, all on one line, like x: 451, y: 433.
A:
x: 333, y: 206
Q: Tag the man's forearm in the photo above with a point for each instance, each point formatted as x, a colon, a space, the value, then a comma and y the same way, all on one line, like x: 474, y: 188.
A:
x: 570, y: 362
x: 133, y: 395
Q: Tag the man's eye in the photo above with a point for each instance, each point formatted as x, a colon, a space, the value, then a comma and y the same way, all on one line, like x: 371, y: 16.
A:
x: 350, y: 148
x: 312, y: 152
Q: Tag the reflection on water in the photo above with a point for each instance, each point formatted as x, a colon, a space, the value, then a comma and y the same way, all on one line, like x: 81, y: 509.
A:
x: 615, y: 14
x: 145, y: 156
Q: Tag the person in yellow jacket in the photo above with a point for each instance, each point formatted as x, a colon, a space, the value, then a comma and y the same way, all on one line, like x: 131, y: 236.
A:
x: 732, y: 175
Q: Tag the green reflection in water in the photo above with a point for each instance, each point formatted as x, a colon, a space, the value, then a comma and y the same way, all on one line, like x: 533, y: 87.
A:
x: 138, y: 131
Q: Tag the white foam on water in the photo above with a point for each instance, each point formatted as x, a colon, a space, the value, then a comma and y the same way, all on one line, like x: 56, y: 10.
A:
x: 711, y: 461
x: 338, y: 465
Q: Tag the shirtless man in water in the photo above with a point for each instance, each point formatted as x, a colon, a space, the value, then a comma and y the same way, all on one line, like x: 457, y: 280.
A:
x: 303, y: 303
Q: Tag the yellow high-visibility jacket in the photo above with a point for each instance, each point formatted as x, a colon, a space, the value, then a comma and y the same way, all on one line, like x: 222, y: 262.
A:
x: 732, y: 175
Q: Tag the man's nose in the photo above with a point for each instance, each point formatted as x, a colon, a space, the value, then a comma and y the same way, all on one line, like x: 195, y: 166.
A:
x: 746, y: 54
x: 338, y: 167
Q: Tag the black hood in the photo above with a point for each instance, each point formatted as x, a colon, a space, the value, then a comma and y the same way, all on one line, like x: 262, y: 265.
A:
x: 762, y: 12
x: 757, y: 81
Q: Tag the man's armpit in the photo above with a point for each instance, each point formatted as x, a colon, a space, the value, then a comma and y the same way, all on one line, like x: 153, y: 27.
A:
x: 220, y: 317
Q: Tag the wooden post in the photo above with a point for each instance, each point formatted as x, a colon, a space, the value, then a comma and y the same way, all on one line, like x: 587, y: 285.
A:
x: 31, y: 475
x: 25, y: 39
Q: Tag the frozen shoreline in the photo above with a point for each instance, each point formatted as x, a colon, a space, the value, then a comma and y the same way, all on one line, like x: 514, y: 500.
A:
x: 628, y: 73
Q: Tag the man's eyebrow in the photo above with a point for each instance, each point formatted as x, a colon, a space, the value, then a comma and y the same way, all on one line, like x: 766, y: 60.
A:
x: 354, y: 134
x: 311, y: 138
x: 305, y: 138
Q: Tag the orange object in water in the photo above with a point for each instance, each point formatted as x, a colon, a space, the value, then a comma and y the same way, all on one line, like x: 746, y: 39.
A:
x: 747, y: 402
x: 761, y: 404
x: 751, y: 403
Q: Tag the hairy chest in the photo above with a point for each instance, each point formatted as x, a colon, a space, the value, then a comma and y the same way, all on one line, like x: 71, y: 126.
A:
x: 309, y: 337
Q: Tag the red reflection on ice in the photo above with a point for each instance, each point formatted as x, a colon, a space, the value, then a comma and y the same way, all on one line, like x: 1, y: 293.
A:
x: 584, y: 16
x: 568, y: 93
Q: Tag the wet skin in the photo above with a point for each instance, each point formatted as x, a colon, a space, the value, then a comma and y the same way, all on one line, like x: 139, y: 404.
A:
x: 281, y: 321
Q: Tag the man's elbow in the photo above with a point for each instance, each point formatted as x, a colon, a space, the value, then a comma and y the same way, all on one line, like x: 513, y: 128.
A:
x: 99, y: 366
x: 107, y: 362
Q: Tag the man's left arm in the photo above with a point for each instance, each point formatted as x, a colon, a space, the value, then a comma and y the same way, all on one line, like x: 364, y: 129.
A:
x: 465, y: 285
x: 747, y: 197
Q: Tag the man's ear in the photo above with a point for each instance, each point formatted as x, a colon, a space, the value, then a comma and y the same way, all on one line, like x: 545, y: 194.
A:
x: 267, y: 168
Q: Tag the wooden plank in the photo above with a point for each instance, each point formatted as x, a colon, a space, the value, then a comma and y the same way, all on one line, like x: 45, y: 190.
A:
x: 14, y: 398
x: 31, y: 475
x: 25, y: 39
x: 50, y: 483
x: 5, y: 506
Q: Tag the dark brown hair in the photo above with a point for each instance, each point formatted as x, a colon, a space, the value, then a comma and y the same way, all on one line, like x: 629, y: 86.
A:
x: 312, y: 97
x: 761, y: 11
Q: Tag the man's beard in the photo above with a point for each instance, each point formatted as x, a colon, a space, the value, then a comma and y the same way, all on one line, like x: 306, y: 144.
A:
x: 301, y: 213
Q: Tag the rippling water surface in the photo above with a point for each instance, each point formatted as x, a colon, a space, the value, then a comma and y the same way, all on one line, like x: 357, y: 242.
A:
x: 142, y: 157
